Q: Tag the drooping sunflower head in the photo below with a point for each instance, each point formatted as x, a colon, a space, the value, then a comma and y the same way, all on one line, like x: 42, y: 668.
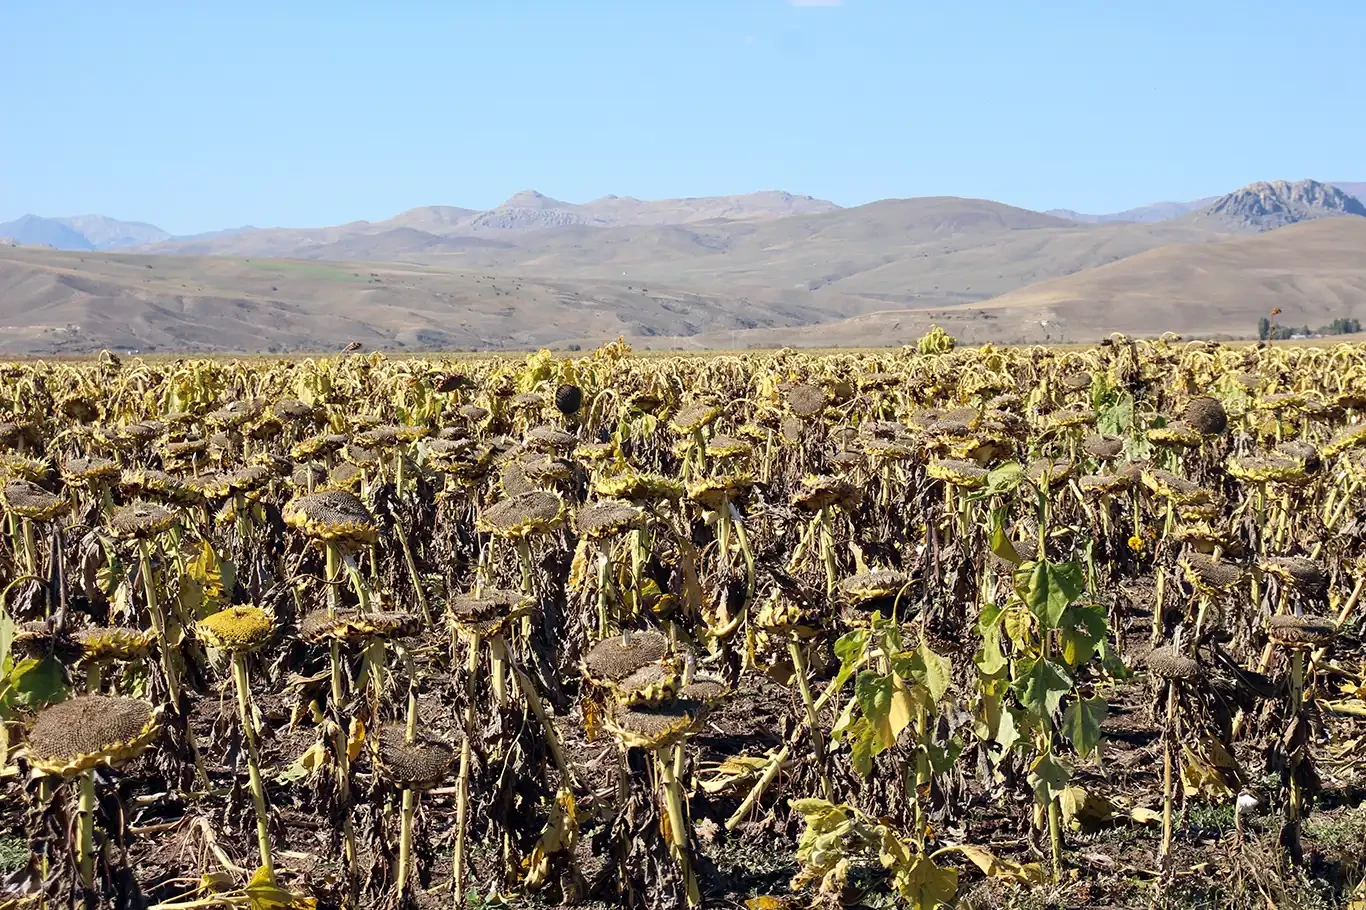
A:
x: 1307, y: 576
x: 85, y: 732
x: 332, y: 516
x: 418, y: 765
x: 487, y: 612
x: 113, y: 642
x: 28, y: 500
x: 141, y: 520
x: 524, y: 515
x: 694, y: 417
x: 238, y: 629
x: 1300, y: 633
x: 608, y: 518
x: 613, y: 659
x: 1170, y: 664
x: 1206, y: 415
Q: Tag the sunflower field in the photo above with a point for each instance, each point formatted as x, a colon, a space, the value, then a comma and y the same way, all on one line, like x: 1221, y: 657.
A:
x: 929, y: 627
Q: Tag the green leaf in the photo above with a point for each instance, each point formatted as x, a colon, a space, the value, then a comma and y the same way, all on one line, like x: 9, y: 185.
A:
x: 1083, y: 627
x: 1081, y: 723
x: 1040, y: 685
x: 1048, y: 777
x: 938, y: 672
x: 1047, y: 588
x: 943, y: 757
x: 1117, y: 419
x: 862, y: 741
x: 849, y: 648
x: 38, y: 682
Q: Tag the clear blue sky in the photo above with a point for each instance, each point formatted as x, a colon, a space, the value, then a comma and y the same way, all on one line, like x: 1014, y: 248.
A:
x: 201, y: 115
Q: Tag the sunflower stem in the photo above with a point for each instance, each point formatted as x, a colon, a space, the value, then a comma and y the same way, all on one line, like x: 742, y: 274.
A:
x: 258, y: 790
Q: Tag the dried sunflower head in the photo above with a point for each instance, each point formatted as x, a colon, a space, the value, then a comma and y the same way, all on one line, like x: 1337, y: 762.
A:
x: 473, y: 413
x: 1282, y: 401
x: 966, y: 474
x: 1267, y: 469
x: 25, y: 467
x: 550, y: 440
x: 1300, y: 633
x: 88, y: 731
x: 806, y: 401
x: 1048, y: 472
x: 1170, y: 664
x: 713, y: 492
x: 638, y: 486
x: 694, y: 417
x: 158, y: 485
x: 608, y: 518
x: 85, y: 471
x: 237, y: 629
x: 1178, y: 435
x: 235, y: 413
x: 872, y: 588
x: 1101, y: 485
x: 418, y: 765
x: 141, y: 520
x: 1205, y: 415
x: 1307, y: 576
x: 524, y: 515
x: 612, y: 660
x: 649, y: 685
x: 1103, y: 448
x: 1209, y: 575
x: 568, y: 399
x: 823, y: 491
x: 28, y: 500
x: 487, y: 612
x: 724, y: 447
x: 1171, y: 486
x: 656, y: 726
x: 1304, y: 452
x: 1347, y: 438
x: 332, y: 516
x: 317, y: 446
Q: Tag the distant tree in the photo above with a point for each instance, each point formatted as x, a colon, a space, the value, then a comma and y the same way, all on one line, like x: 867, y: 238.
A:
x: 1263, y: 328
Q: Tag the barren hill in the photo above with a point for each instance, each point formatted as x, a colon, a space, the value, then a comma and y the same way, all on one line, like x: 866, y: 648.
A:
x: 1314, y: 271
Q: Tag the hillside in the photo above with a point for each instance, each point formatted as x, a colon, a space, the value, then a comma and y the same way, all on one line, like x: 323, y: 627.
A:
x: 1314, y: 271
x: 70, y: 302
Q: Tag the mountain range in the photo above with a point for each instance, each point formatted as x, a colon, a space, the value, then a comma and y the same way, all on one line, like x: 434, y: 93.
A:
x: 759, y: 269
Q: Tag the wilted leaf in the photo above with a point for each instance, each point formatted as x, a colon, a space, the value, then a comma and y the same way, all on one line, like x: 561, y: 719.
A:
x: 264, y: 894
x: 1146, y: 816
x: 356, y: 739
x: 1084, y: 810
x: 925, y: 885
x: 1000, y: 869
x: 886, y: 704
